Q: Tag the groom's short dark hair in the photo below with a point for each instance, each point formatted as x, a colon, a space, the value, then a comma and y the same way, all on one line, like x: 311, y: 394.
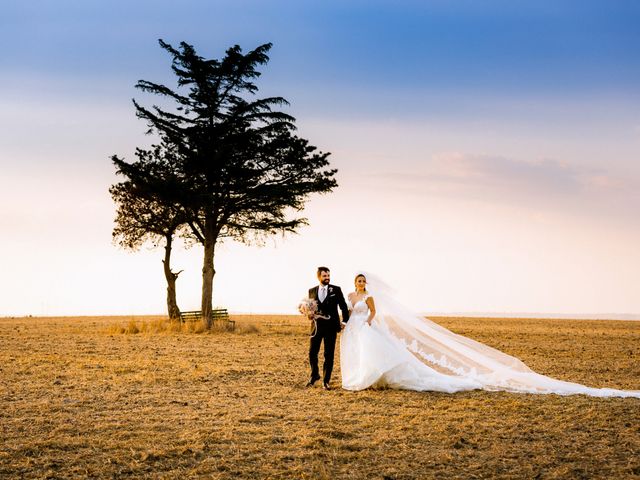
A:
x: 322, y: 269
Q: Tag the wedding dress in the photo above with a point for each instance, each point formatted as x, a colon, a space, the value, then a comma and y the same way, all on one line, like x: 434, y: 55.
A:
x: 403, y: 350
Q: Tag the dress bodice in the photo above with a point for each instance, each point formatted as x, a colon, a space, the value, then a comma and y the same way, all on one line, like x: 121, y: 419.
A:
x: 360, y: 307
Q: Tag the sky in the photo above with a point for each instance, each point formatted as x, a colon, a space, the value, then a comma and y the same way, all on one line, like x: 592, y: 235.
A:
x: 487, y: 152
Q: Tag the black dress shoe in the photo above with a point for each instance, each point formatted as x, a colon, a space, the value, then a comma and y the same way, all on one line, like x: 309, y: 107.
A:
x: 326, y: 386
x: 311, y: 381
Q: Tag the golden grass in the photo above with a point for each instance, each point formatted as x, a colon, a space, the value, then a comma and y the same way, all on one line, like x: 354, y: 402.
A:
x: 79, y: 397
x: 166, y: 325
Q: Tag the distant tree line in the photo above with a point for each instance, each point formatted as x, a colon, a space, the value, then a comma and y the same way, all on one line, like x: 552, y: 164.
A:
x: 226, y: 165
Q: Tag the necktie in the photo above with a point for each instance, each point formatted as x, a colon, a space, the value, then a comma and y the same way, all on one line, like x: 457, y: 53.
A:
x: 323, y: 293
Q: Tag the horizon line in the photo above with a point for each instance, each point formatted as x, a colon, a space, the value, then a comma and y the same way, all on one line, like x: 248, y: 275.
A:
x: 472, y: 314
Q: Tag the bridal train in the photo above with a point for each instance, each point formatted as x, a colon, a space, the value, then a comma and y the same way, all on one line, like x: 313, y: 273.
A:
x: 403, y: 350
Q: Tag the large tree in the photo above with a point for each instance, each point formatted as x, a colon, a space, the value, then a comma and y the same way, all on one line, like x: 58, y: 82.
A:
x: 147, y: 211
x: 246, y: 172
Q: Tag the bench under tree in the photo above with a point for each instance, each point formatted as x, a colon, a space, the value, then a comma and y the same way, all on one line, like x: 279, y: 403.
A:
x: 218, y: 315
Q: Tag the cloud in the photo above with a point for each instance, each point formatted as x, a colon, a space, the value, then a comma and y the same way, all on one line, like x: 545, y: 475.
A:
x: 538, y: 185
x: 495, y: 172
x: 460, y: 172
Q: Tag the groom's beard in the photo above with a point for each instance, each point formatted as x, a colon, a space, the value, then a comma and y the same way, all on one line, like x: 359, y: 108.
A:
x: 324, y: 282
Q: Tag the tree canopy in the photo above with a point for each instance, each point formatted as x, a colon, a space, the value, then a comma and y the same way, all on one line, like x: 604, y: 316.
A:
x: 230, y: 164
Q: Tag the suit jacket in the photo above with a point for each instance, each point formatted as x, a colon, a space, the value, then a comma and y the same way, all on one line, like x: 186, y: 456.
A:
x: 330, y: 306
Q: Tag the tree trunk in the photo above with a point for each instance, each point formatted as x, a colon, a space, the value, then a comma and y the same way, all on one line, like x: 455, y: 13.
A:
x: 208, y: 272
x: 172, y: 304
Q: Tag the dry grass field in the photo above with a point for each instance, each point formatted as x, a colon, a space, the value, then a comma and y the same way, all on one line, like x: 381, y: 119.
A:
x: 87, y: 397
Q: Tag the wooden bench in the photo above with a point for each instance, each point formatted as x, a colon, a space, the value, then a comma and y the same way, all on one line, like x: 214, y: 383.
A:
x: 194, y: 315
x: 220, y: 314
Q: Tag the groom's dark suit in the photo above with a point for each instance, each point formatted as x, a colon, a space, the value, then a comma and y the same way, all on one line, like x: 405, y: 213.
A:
x: 327, y: 329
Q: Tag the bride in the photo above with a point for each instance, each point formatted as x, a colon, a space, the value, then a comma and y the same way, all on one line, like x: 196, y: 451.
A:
x: 385, y: 345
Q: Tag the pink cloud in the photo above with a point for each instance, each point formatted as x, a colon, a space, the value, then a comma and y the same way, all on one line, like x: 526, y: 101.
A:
x: 542, y: 186
x: 484, y: 171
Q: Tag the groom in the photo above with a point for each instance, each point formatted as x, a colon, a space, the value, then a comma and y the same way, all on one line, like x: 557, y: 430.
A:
x: 329, y: 298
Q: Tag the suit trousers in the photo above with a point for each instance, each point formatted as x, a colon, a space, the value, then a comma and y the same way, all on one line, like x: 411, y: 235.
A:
x: 326, y: 333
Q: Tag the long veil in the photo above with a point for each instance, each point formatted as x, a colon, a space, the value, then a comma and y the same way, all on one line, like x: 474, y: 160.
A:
x: 459, y: 356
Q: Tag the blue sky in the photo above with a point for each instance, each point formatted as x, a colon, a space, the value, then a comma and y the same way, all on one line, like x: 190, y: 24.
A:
x: 496, y: 45
x: 515, y: 125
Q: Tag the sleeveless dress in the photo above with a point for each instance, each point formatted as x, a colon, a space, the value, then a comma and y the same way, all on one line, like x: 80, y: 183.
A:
x: 402, y: 350
x: 371, y: 357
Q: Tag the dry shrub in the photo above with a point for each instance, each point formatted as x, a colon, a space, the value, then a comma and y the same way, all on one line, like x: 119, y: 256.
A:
x: 167, y: 325
x: 157, y: 325
x: 115, y: 329
x: 173, y: 326
x: 247, y: 328
x: 132, y: 327
x: 197, y: 326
